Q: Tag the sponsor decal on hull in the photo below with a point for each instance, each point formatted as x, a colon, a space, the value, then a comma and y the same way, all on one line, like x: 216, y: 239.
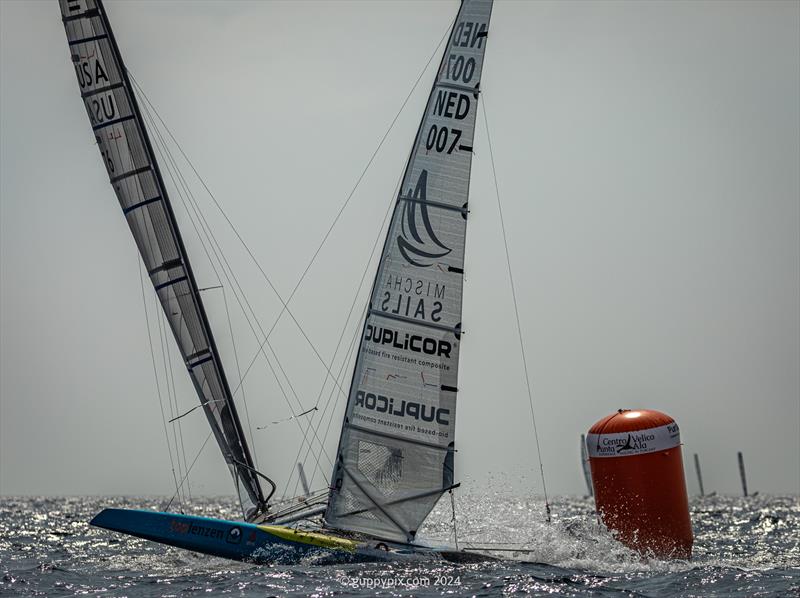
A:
x: 193, y: 529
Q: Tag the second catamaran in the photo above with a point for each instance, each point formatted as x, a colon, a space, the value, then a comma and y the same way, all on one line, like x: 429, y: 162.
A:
x: 396, y: 452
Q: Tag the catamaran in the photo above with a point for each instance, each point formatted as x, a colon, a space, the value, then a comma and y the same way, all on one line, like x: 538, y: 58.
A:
x: 396, y: 452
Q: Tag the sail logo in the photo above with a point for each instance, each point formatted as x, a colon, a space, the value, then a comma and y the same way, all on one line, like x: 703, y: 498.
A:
x: 417, y: 241
x: 408, y: 342
x: 412, y: 409
x: 633, y: 442
x: 622, y: 444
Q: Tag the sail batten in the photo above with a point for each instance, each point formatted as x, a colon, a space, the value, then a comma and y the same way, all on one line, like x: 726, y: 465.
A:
x: 396, y: 449
x: 134, y: 174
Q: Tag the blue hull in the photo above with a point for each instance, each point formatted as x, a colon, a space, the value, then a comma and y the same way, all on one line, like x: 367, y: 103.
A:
x: 229, y: 539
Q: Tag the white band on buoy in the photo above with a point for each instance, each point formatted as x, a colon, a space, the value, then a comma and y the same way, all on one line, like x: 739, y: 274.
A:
x: 638, y: 442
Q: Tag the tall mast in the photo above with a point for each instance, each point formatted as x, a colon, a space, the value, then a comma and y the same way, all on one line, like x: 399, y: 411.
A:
x: 699, y: 474
x: 396, y: 450
x: 741, y: 473
x: 134, y: 174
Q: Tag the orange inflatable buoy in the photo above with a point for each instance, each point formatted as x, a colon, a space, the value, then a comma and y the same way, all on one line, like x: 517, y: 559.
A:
x: 639, y: 485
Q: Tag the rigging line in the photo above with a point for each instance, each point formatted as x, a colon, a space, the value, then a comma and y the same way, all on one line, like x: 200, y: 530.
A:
x: 258, y: 265
x: 173, y: 170
x: 351, y: 354
x: 158, y: 385
x: 175, y: 398
x: 316, y: 430
x: 217, y: 251
x: 171, y: 167
x: 149, y: 236
x: 344, y: 329
x: 236, y: 359
x: 196, y: 457
x: 361, y: 176
x: 163, y: 149
x: 319, y: 422
x: 324, y: 383
x: 223, y: 262
x: 285, y: 307
x: 516, y: 309
x: 239, y: 373
x: 228, y: 272
x: 342, y: 373
x: 344, y: 370
x: 394, y: 205
x: 161, y: 335
x: 166, y: 383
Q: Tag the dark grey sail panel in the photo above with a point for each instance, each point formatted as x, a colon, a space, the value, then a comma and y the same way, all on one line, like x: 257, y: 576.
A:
x: 133, y: 172
x: 396, y: 451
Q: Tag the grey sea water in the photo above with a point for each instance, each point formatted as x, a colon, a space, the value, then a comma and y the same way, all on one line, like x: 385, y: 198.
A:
x: 743, y: 547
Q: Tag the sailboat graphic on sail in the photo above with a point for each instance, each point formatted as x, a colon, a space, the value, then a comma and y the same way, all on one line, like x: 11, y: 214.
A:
x: 410, y: 244
x: 396, y: 452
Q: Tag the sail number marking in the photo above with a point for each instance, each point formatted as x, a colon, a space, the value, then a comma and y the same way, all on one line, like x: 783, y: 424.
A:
x: 90, y: 71
x: 450, y: 104
x: 438, y: 137
x: 102, y: 108
x: 469, y: 34
x: 92, y: 77
x: 459, y: 68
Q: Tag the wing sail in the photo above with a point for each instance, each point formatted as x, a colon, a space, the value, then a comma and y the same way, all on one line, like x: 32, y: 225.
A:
x: 134, y: 174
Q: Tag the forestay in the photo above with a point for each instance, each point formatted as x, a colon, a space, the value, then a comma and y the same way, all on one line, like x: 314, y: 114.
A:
x: 130, y: 162
x: 395, y: 456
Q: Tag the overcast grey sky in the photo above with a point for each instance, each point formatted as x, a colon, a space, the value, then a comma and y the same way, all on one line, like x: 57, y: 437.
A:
x: 647, y: 156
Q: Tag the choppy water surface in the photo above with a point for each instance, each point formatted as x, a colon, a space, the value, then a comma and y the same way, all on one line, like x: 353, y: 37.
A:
x: 743, y: 547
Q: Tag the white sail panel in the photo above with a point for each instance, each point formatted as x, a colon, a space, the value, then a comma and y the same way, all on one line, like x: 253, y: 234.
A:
x: 133, y: 172
x: 395, y: 456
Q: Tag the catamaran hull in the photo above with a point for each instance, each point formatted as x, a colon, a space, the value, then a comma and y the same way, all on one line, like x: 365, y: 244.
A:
x: 241, y: 541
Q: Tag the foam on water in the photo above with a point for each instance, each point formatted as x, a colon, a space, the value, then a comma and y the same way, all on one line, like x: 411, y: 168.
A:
x: 743, y: 547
